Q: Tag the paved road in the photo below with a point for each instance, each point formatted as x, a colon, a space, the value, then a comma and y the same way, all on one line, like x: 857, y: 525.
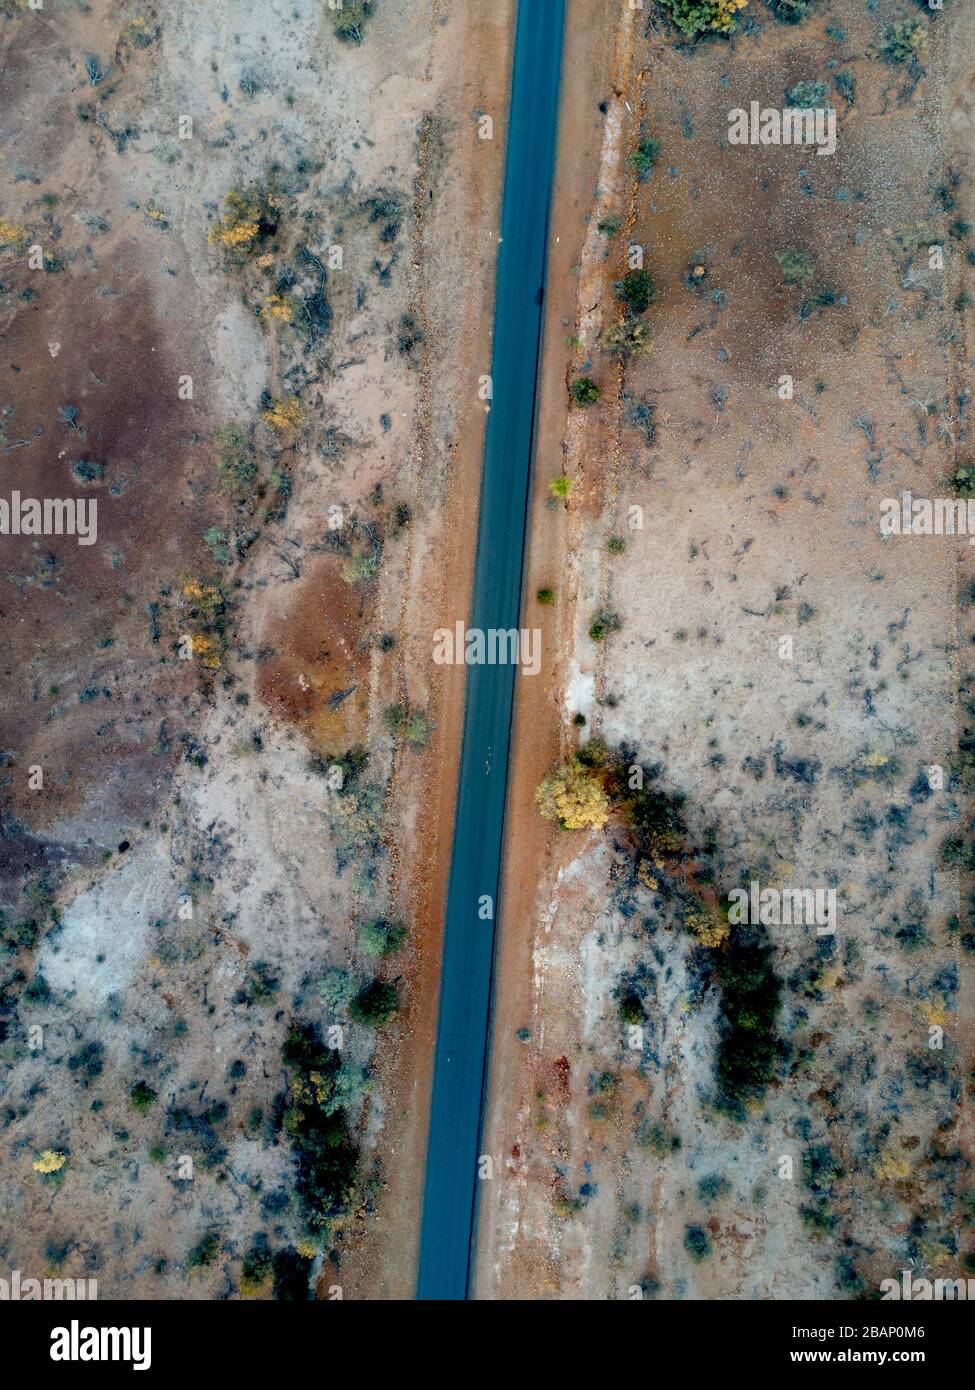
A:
x: 450, y: 1198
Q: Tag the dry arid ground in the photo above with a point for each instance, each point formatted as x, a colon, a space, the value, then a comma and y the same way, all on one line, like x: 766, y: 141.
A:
x: 247, y: 252
x: 793, y: 686
x: 246, y: 272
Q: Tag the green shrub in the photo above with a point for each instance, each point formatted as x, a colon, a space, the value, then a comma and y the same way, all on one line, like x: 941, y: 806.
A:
x: 260, y: 987
x: 795, y: 265
x: 381, y: 937
x: 205, y: 1251
x: 17, y: 936
x: 748, y: 1044
x: 409, y: 724
x: 257, y: 1262
x: 713, y: 1187
x: 695, y: 17
x: 642, y: 159
x: 216, y: 542
x: 818, y: 1218
x: 87, y: 471
x: 636, y: 290
x: 88, y: 1062
x: 416, y: 731
x: 142, y: 1097
x: 631, y: 1008
x: 236, y: 463
x: 545, y: 596
x: 655, y: 1138
x: 631, y: 338
x: 348, y: 22
x: 319, y: 1133
x: 696, y: 1243
x: 962, y: 481
x: 603, y: 623
x: 584, y: 391
x: 360, y: 569
x: 376, y: 1003
x: 808, y: 95
x: 335, y: 989
x: 958, y: 853
x: 904, y: 40
x: 790, y: 11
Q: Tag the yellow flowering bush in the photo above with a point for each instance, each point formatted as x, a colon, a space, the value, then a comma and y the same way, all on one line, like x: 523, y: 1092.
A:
x: 276, y: 307
x: 209, y: 618
x: 284, y: 415
x: 49, y: 1161
x: 247, y: 217
x: 693, y: 17
x: 11, y: 234
x: 574, y: 796
x: 711, y: 931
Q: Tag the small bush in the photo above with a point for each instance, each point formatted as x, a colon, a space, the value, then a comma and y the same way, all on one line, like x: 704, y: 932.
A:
x: 409, y: 724
x: 260, y: 987
x: 904, y: 40
x: 236, y: 463
x: 142, y: 1097
x: 631, y: 338
x: 696, y: 17
x: 375, y: 1004
x: 349, y: 21
x: 712, y: 1188
x: 808, y: 95
x: 818, y: 1218
x: 584, y: 391
x: 361, y: 569
x: 205, y: 1251
x: 636, y: 290
x: 642, y: 159
x: 790, y: 11
x: 335, y: 989
x: 382, y: 937
x: 697, y: 1244
x: 87, y: 471
x: 257, y: 1264
x: 631, y: 1008
x: 957, y: 853
x: 795, y: 265
x: 546, y: 596
x: 604, y: 622
x: 88, y: 1062
x: 962, y: 481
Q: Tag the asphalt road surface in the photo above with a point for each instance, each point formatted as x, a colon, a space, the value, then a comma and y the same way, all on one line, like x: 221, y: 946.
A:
x: 450, y: 1197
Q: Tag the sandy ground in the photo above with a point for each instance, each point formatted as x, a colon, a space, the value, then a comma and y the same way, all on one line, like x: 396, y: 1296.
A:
x: 187, y: 863
x: 183, y: 875
x: 760, y: 520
